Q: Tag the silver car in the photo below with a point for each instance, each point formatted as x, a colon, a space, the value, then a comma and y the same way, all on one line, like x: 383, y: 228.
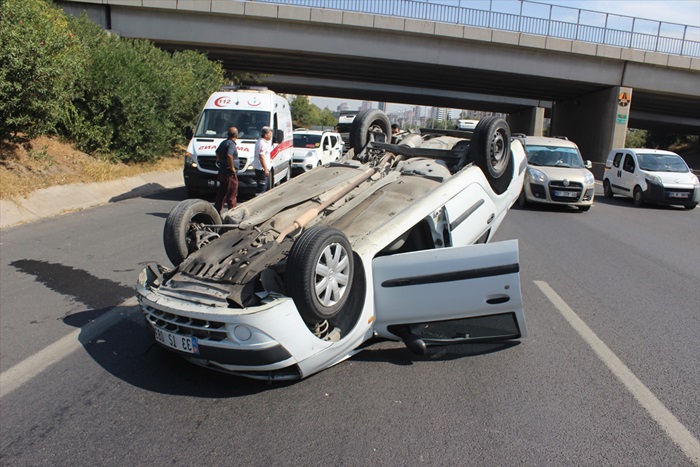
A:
x: 556, y: 173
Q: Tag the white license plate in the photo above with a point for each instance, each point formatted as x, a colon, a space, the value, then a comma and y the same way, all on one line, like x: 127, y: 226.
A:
x: 213, y: 183
x: 673, y: 194
x: 177, y: 342
x: 566, y: 194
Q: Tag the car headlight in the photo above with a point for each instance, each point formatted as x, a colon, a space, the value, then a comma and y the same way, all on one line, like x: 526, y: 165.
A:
x: 536, y: 175
x: 654, y: 179
x: 189, y: 161
x: 589, y: 179
x: 695, y: 181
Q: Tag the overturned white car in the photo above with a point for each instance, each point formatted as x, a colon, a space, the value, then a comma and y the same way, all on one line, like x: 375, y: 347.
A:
x: 391, y: 243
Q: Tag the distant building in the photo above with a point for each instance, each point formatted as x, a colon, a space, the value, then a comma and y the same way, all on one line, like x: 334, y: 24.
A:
x: 382, y: 106
x: 343, y: 107
x: 438, y: 113
x: 366, y: 105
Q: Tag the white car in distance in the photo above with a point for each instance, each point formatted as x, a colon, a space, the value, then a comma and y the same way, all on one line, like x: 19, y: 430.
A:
x: 313, y: 148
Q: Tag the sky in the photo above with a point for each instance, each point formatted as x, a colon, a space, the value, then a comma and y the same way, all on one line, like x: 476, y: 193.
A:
x: 686, y: 12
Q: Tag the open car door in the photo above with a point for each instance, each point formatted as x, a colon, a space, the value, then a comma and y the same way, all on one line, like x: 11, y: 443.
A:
x: 449, y: 295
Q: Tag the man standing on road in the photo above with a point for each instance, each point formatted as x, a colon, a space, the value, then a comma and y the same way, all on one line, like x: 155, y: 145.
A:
x: 227, y: 160
x: 261, y: 160
x: 395, y: 130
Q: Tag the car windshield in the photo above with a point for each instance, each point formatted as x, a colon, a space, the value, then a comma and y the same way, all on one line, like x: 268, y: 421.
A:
x: 661, y: 162
x: 553, y: 156
x: 307, y: 141
x: 214, y: 123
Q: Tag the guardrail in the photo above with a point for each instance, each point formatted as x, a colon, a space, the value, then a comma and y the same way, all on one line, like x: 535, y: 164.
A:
x: 535, y: 18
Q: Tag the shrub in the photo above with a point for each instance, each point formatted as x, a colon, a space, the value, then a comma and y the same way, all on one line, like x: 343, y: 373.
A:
x: 120, y: 97
x: 35, y: 63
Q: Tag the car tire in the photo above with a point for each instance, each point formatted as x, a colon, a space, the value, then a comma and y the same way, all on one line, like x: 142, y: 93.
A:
x: 522, y: 199
x: 490, y: 150
x: 320, y: 255
x: 188, y: 215
x: 365, y: 125
x: 638, y: 196
x: 584, y: 208
x: 607, y: 189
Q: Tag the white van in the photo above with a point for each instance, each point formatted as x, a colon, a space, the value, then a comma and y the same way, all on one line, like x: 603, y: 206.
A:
x: 466, y: 124
x: 248, y: 109
x: 650, y: 176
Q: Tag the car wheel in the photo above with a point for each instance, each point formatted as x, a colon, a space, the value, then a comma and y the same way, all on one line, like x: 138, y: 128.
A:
x: 270, y: 180
x: 690, y: 206
x: 366, y: 126
x: 584, y: 208
x: 522, y: 199
x: 186, y: 228
x: 607, y: 189
x: 288, y: 177
x: 490, y: 150
x: 638, y: 196
x: 320, y: 271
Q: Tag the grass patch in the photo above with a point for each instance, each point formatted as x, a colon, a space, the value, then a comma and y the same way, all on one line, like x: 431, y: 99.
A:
x: 46, y: 161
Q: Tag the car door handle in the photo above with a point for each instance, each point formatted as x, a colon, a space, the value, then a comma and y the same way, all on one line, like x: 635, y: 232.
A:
x: 498, y: 299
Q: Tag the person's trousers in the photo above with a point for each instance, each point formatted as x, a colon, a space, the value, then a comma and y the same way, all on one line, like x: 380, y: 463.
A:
x: 227, y: 192
x: 261, y: 181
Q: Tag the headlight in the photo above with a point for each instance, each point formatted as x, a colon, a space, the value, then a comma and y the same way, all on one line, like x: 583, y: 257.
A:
x: 536, y: 175
x: 589, y: 179
x: 694, y: 180
x: 654, y: 179
x: 189, y: 160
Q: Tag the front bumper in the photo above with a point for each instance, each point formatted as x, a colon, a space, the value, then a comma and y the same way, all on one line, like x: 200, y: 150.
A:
x: 264, y: 342
x: 200, y: 180
x: 556, y: 192
x: 686, y: 195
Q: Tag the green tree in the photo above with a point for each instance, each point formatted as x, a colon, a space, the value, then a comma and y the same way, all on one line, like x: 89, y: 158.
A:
x: 304, y: 113
x: 327, y: 118
x: 635, y: 138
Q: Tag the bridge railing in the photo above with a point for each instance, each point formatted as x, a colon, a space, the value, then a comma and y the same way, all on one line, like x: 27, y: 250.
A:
x: 533, y: 18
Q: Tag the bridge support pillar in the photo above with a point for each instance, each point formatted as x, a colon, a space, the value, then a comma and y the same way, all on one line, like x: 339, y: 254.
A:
x: 529, y: 121
x: 596, y: 122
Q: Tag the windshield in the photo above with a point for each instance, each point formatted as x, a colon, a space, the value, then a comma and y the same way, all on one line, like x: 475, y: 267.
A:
x: 307, y: 141
x: 214, y: 123
x: 661, y: 162
x: 553, y: 156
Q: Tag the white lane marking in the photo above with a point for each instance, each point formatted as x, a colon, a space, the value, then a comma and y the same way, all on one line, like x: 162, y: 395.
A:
x: 678, y: 433
x: 27, y: 369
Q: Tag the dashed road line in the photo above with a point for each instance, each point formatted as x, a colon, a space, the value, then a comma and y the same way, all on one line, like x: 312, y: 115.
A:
x: 678, y: 433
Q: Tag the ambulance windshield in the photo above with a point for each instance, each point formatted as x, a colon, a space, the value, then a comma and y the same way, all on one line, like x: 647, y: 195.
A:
x: 214, y: 123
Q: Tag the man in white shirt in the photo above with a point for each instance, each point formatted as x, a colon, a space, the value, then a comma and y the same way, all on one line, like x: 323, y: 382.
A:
x: 261, y: 159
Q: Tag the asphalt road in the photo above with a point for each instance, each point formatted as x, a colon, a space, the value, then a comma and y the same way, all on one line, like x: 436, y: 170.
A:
x: 609, y: 375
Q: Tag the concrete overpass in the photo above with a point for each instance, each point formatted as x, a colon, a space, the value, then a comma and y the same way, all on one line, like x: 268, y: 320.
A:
x: 595, y: 92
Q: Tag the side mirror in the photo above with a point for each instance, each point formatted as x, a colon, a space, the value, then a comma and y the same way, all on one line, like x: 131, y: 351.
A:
x: 188, y: 132
x: 589, y: 165
x: 278, y: 136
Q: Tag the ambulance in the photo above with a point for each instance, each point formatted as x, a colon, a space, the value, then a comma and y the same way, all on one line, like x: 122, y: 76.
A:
x: 249, y: 109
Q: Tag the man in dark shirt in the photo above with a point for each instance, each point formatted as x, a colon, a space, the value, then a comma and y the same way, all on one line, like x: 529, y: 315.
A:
x: 227, y: 160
